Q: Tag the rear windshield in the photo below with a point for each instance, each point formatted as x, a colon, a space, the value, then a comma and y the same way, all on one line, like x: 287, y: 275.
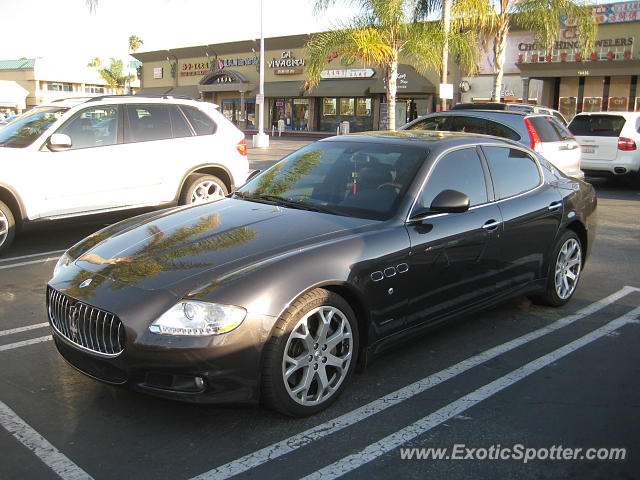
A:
x: 597, y: 125
x: 546, y: 130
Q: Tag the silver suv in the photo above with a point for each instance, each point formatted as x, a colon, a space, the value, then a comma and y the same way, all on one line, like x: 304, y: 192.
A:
x: 78, y: 157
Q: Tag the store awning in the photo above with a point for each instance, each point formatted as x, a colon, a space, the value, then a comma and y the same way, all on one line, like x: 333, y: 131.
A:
x: 409, y: 82
x: 190, y: 91
x: 152, y: 91
x: 13, y: 95
x: 281, y: 89
x: 342, y: 88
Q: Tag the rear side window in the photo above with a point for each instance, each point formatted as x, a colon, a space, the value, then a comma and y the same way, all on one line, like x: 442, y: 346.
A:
x: 201, y: 122
x: 597, y: 125
x: 545, y: 129
x: 513, y: 171
x: 148, y: 122
x: 179, y: 123
x: 432, y: 123
x: 469, y: 124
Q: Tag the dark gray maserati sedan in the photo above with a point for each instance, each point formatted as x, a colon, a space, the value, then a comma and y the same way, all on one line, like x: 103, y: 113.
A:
x: 342, y: 249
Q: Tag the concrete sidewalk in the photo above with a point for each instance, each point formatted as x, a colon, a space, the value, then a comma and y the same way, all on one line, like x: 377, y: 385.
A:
x: 263, y: 158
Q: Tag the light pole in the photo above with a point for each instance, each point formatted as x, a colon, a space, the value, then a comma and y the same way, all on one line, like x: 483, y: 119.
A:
x: 261, y: 140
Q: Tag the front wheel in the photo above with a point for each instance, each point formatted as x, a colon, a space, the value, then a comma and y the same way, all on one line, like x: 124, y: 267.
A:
x: 564, y: 272
x: 7, y: 227
x: 311, y: 354
x: 202, y: 188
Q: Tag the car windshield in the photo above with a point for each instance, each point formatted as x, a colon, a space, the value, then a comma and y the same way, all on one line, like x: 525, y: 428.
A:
x: 362, y: 180
x: 24, y: 131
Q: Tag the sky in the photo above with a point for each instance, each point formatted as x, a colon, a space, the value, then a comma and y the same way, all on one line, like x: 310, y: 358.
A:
x: 66, y: 31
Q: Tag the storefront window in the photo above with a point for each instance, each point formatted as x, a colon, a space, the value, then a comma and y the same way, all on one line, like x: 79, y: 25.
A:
x: 567, y: 107
x: 301, y: 114
x: 592, y: 104
x: 329, y: 106
x: 347, y: 106
x: 363, y: 107
x: 617, y: 104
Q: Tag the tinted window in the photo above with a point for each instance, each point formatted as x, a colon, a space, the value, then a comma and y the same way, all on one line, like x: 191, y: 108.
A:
x: 546, y: 131
x: 513, y: 171
x: 597, y: 125
x: 148, y: 122
x: 202, y: 124
x: 561, y: 128
x: 431, y: 123
x: 179, y: 124
x: 470, y: 124
x: 93, y: 127
x: 460, y: 170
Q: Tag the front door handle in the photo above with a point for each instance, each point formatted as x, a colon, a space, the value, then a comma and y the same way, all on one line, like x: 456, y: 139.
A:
x: 491, y: 224
x: 555, y: 206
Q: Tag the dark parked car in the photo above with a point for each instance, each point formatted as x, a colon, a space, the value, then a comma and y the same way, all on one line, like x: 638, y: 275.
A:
x: 541, y: 132
x: 340, y: 250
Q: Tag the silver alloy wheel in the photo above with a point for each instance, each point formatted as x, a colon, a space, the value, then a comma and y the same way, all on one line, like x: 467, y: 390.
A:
x: 4, y: 227
x: 568, y: 266
x: 317, y: 356
x: 205, y: 191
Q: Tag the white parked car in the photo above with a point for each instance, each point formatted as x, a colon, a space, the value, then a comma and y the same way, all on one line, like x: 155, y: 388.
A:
x: 610, y: 143
x: 79, y: 157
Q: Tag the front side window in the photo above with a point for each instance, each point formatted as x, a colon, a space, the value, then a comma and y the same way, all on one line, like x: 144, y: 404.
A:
x: 93, y: 127
x: 459, y: 170
x: 432, y: 123
x: 513, y: 171
x: 25, y: 130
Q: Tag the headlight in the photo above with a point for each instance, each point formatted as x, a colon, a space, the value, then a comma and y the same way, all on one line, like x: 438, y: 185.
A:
x: 191, y: 318
x: 64, y: 261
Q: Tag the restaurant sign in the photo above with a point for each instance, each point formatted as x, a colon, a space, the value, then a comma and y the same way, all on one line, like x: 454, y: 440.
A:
x: 347, y: 73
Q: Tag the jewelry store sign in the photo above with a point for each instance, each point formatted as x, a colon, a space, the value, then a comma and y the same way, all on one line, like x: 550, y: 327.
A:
x: 347, y: 73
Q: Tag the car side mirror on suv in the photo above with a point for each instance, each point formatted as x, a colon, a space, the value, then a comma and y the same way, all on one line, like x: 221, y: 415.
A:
x: 58, y: 142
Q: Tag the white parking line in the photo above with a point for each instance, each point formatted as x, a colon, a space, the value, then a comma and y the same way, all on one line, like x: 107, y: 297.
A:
x: 35, y: 442
x: 25, y: 343
x: 395, y: 440
x: 294, y: 442
x: 23, y: 329
x: 22, y: 257
x: 32, y: 262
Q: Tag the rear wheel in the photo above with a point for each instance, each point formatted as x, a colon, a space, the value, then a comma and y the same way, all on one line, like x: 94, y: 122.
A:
x: 311, y: 355
x: 202, y: 188
x: 7, y: 227
x: 564, y: 272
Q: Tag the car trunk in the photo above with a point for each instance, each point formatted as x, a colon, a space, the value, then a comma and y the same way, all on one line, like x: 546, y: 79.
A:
x: 597, y: 135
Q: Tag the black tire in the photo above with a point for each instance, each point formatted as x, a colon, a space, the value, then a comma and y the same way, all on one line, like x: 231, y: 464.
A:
x: 313, y: 361
x: 202, y: 187
x: 7, y: 227
x: 566, y: 262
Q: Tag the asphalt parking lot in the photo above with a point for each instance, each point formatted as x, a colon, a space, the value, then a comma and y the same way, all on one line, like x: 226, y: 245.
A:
x: 519, y: 391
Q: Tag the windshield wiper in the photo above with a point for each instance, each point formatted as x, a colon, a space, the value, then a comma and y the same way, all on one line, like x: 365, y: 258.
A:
x: 285, y: 202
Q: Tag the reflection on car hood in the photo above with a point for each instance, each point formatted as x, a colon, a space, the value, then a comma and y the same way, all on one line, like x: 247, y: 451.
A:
x: 162, y: 251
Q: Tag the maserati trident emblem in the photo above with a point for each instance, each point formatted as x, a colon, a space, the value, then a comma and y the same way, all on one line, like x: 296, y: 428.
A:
x: 86, y: 283
x: 74, y: 316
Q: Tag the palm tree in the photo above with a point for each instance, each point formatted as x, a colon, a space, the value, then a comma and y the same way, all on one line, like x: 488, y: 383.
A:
x: 382, y: 34
x: 135, y: 43
x: 541, y: 17
x: 114, y: 75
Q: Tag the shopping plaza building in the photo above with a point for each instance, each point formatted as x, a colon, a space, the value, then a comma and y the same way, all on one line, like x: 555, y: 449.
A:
x: 564, y: 78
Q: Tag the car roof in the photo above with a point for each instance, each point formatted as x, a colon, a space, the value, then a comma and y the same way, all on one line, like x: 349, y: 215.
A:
x: 74, y: 101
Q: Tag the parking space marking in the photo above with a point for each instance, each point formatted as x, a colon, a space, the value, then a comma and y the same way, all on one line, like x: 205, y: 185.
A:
x: 22, y: 257
x: 24, y: 329
x: 25, y: 343
x: 35, y: 442
x: 294, y: 442
x: 399, y: 438
x: 32, y: 262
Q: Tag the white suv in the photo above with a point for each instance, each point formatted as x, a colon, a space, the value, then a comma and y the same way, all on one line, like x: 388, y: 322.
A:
x: 79, y: 157
x: 610, y: 143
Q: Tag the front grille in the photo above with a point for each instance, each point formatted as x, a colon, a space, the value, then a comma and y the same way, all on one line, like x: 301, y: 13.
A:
x: 89, y: 327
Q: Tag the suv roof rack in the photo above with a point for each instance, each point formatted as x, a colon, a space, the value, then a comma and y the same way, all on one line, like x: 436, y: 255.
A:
x: 104, y: 97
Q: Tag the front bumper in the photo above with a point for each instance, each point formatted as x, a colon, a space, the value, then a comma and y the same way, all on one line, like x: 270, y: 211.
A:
x: 213, y: 369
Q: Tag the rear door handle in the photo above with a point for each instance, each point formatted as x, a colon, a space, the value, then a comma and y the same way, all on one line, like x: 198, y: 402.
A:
x: 555, y: 206
x: 491, y: 224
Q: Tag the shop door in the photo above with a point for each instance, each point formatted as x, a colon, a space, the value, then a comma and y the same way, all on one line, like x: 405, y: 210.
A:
x: 282, y: 110
x: 230, y: 110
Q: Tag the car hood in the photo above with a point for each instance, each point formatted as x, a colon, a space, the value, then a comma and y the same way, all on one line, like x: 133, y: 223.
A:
x: 179, y: 250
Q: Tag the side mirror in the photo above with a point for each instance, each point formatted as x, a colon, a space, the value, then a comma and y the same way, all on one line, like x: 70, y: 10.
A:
x: 450, y: 201
x: 58, y: 142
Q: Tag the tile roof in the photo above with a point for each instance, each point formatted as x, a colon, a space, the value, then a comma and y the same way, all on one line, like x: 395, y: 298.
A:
x: 17, y: 64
